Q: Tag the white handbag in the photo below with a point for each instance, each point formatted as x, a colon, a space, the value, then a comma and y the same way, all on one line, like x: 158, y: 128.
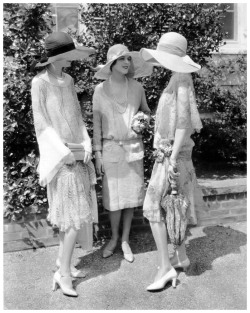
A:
x: 77, y: 149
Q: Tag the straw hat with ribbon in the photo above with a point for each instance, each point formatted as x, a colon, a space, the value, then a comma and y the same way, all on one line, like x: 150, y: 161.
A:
x: 171, y: 53
x: 138, y: 67
x: 59, y: 46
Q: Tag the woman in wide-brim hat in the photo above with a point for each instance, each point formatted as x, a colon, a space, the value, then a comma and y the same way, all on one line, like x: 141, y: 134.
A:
x: 118, y: 149
x: 69, y: 180
x: 177, y: 118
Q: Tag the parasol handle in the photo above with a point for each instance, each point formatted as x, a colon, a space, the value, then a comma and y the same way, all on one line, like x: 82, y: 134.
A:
x: 174, y: 189
x: 173, y: 184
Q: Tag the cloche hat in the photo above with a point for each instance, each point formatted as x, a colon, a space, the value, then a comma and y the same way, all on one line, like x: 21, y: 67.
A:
x: 138, y: 67
x: 59, y: 46
x: 171, y: 53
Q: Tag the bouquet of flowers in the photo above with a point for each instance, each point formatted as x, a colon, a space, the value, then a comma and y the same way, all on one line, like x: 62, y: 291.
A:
x: 164, y: 150
x: 140, y: 122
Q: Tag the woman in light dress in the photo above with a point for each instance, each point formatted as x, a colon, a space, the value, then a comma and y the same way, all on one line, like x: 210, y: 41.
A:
x: 118, y: 149
x: 177, y: 118
x: 69, y: 181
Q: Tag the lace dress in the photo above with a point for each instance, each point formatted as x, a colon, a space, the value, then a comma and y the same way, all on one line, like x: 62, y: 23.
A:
x: 58, y: 120
x: 176, y: 110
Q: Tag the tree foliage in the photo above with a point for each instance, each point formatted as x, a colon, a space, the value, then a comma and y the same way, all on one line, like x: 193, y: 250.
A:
x: 224, y: 136
x: 25, y: 26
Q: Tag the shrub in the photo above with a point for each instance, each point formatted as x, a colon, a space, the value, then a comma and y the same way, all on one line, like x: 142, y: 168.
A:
x: 223, y: 138
x: 25, y: 26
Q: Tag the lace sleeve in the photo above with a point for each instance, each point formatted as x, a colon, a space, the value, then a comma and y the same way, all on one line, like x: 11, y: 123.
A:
x: 183, y: 106
x: 86, y: 140
x: 38, y: 96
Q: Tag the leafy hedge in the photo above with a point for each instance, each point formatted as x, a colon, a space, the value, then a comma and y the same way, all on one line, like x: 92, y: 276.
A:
x: 25, y: 26
x: 223, y: 138
x: 135, y: 25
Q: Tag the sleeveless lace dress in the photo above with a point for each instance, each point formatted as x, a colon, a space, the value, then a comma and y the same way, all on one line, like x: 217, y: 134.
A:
x: 176, y: 110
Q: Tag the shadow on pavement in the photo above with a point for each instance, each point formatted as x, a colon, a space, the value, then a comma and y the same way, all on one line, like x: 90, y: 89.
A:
x: 96, y: 265
x: 218, y: 242
x: 202, y: 251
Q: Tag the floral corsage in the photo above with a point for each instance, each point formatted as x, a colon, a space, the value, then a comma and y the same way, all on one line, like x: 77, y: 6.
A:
x: 140, y: 122
x: 164, y: 151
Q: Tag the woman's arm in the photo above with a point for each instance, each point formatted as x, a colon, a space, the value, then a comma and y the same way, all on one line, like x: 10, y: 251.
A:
x: 86, y: 139
x: 97, y: 134
x: 183, y: 122
x: 97, y: 123
x: 180, y: 135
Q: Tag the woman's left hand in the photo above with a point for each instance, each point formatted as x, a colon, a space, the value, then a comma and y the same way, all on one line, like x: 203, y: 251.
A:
x: 172, y: 172
x: 87, y: 157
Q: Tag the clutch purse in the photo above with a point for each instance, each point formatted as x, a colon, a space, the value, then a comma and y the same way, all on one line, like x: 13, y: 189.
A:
x: 77, y: 149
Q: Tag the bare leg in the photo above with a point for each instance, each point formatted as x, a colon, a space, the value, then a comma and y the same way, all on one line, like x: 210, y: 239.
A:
x: 180, y: 254
x: 60, y: 251
x: 68, y: 248
x: 160, y: 236
x: 115, y: 217
x: 127, y: 219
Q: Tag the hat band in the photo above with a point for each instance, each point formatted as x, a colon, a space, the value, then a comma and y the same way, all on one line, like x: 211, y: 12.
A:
x: 55, y: 51
x: 171, y: 49
x: 117, y: 55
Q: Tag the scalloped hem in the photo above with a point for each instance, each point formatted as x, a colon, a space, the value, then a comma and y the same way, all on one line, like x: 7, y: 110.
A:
x: 63, y: 227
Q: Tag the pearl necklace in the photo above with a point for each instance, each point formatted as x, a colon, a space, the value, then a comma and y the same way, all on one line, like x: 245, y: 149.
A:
x: 57, y: 77
x: 118, y: 103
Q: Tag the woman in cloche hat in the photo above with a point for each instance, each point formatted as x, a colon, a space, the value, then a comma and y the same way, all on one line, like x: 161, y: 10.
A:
x: 60, y: 132
x: 177, y: 118
x: 118, y: 149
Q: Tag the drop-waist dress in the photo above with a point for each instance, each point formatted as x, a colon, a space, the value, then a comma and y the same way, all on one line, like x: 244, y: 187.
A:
x: 58, y: 120
x: 122, y: 149
x: 176, y: 110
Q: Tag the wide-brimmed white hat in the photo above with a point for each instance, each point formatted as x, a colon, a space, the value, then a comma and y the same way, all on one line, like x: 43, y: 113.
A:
x: 171, y: 54
x: 59, y: 46
x: 138, y: 67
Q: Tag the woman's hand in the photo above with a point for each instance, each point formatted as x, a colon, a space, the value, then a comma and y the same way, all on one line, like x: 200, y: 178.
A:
x: 172, y: 172
x: 99, y: 166
x: 70, y: 160
x: 99, y: 163
x: 87, y: 157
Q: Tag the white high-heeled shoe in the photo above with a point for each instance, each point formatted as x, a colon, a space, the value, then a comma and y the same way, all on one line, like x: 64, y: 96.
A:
x: 74, y: 272
x: 161, y: 283
x: 127, y: 253
x: 63, y: 282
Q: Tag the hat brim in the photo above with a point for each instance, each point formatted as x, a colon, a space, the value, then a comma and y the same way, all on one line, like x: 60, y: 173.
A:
x: 138, y: 68
x: 79, y: 53
x: 172, y: 62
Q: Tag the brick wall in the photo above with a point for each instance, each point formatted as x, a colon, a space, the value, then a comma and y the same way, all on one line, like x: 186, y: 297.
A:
x: 224, y: 202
